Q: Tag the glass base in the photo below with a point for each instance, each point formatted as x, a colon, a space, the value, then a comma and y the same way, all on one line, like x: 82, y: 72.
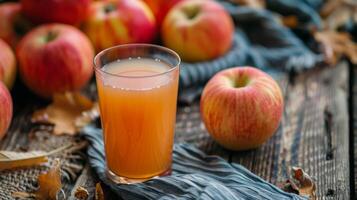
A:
x: 124, y: 180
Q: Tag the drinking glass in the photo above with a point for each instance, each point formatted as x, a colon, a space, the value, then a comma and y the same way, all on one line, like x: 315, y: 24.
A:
x: 137, y: 87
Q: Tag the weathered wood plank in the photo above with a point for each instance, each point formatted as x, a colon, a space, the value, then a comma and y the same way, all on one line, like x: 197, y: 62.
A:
x: 302, y: 139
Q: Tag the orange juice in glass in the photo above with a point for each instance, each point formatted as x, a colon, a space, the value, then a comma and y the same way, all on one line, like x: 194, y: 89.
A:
x: 137, y: 87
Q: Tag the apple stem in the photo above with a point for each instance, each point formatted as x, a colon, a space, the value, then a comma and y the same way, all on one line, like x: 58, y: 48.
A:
x: 191, y: 12
x: 240, y: 82
x: 51, y: 36
x: 109, y: 8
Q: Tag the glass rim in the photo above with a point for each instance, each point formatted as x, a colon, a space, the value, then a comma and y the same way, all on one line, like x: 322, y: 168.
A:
x: 101, y: 53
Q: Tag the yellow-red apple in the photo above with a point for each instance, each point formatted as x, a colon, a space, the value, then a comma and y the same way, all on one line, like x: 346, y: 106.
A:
x: 241, y: 107
x: 70, y: 12
x: 160, y: 8
x: 7, y: 64
x: 198, y: 30
x: 5, y: 110
x: 55, y: 58
x: 13, y: 24
x: 114, y: 22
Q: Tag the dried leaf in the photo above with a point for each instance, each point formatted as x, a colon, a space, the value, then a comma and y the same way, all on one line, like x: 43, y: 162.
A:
x: 301, y: 184
x: 99, y: 195
x: 11, y: 159
x: 50, y: 183
x: 336, y: 44
x: 87, y: 116
x: 81, y: 193
x: 68, y: 113
x: 329, y: 6
x: 305, y: 184
x: 338, y: 12
x: 260, y: 4
x: 289, y: 186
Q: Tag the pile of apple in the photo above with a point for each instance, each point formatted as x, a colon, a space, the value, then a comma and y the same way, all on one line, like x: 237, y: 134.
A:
x: 54, y: 42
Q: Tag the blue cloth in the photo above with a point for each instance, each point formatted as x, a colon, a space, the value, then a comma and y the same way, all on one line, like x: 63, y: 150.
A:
x: 195, y: 175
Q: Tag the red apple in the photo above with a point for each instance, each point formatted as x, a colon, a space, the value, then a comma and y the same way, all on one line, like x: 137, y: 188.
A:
x: 241, y: 107
x: 7, y: 64
x: 62, y: 11
x: 5, y: 110
x: 13, y: 25
x: 114, y: 22
x: 55, y: 58
x: 198, y: 30
x: 160, y: 8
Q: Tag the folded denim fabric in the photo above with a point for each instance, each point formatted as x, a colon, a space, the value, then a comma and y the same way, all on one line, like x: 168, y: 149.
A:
x: 195, y: 175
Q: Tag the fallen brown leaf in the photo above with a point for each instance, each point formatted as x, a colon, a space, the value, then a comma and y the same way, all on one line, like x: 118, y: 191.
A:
x: 99, y: 195
x: 87, y: 116
x: 337, y: 12
x: 260, y: 4
x: 306, y: 185
x: 81, y: 193
x: 68, y: 113
x: 11, y: 159
x: 329, y: 6
x: 50, y: 183
x: 301, y: 184
x: 337, y: 44
x: 289, y: 186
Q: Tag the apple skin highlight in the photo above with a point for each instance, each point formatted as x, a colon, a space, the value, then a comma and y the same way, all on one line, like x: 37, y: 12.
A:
x: 241, y: 107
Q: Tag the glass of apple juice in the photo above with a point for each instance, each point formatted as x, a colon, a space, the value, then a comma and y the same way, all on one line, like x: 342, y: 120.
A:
x: 137, y: 87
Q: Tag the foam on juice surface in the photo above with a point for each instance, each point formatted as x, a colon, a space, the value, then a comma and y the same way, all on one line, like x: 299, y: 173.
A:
x: 136, y: 74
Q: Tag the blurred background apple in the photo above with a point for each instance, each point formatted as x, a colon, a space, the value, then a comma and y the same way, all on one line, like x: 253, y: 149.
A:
x: 160, y: 8
x: 55, y: 58
x: 62, y: 11
x: 5, y: 110
x: 241, y: 107
x: 7, y: 65
x: 114, y: 22
x: 13, y: 24
x: 198, y: 30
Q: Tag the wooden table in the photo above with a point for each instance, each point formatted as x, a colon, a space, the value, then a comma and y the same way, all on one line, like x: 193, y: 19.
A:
x: 303, y: 139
